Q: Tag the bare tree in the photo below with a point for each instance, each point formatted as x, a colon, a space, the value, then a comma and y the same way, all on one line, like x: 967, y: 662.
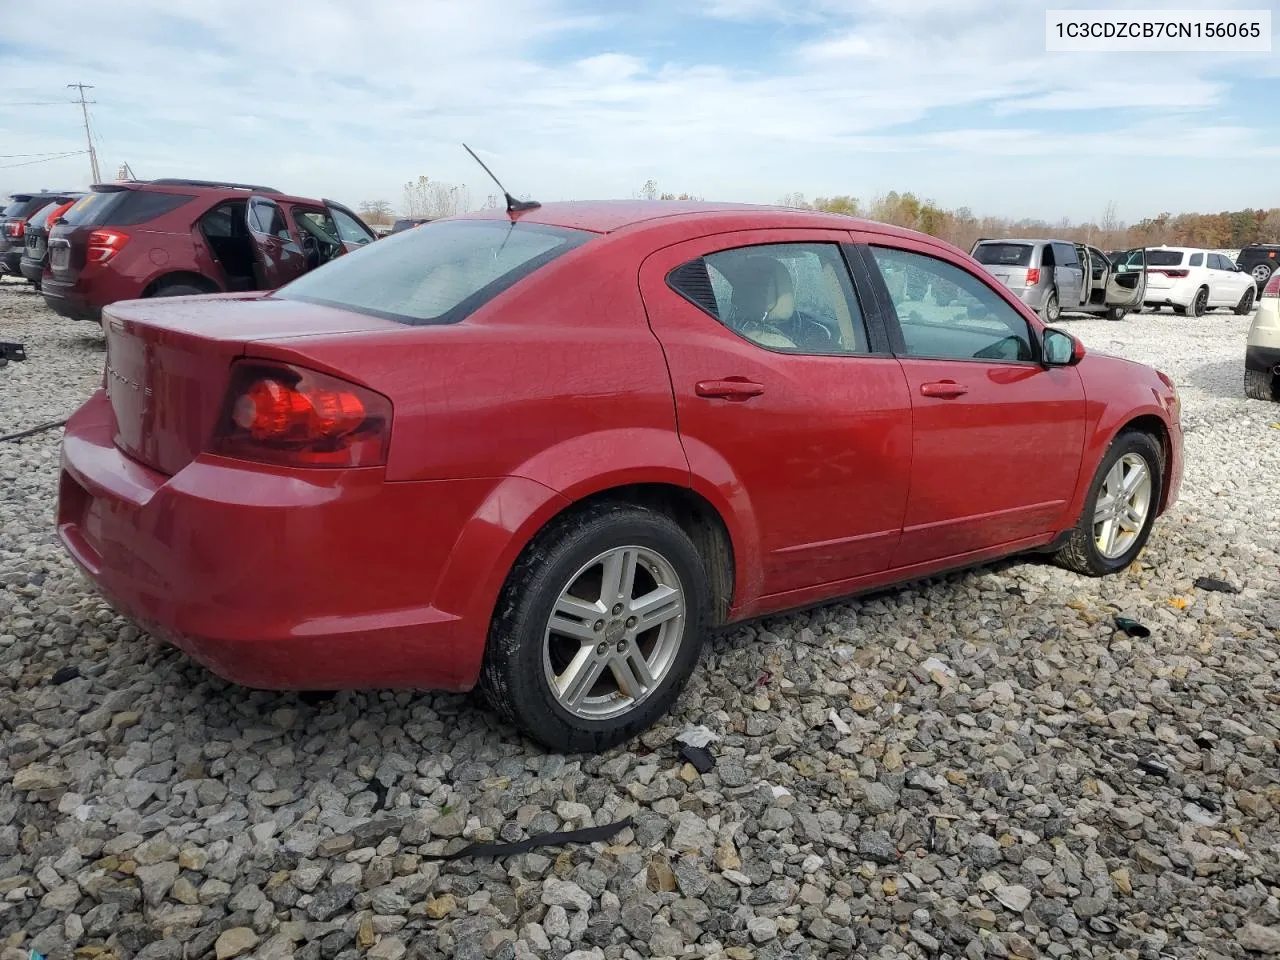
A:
x: 425, y: 197
x: 650, y: 190
x: 377, y: 212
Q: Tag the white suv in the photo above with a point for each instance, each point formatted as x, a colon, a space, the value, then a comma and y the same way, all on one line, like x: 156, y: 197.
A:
x: 1192, y: 281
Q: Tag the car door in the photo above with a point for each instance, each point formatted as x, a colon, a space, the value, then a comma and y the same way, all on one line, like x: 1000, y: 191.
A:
x: 1069, y: 274
x: 998, y: 438
x: 354, y: 232
x: 1229, y: 282
x: 278, y: 257
x: 786, y: 398
x: 1126, y: 280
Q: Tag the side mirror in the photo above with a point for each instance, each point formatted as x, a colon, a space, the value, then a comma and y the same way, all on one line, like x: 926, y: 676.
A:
x: 1060, y: 349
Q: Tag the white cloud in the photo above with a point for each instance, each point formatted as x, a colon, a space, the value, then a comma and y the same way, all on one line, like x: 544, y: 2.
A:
x: 325, y: 98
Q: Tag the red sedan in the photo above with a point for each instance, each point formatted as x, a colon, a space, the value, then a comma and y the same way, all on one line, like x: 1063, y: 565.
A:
x: 546, y: 451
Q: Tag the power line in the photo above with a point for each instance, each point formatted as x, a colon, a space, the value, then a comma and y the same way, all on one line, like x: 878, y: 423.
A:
x: 84, y: 109
x: 35, y: 103
x: 46, y: 153
x: 45, y: 160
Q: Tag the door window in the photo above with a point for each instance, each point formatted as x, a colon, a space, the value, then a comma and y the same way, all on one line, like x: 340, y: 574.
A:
x: 1197, y: 260
x: 349, y: 229
x: 789, y: 297
x: 945, y: 312
x: 318, y: 223
x: 267, y: 217
x: 1065, y: 255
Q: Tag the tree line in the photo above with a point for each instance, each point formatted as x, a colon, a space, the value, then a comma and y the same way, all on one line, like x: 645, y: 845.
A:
x: 1228, y: 230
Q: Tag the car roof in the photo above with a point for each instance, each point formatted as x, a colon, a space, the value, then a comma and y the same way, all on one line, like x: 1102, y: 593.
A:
x: 608, y: 216
x: 203, y: 188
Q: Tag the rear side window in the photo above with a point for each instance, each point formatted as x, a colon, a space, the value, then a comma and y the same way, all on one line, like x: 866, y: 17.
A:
x: 1164, y: 258
x: 1197, y: 260
x: 438, y: 273
x: 788, y: 297
x: 1004, y: 254
x: 123, y: 208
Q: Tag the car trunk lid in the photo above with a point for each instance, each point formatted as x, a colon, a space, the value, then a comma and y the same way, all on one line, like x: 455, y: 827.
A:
x: 168, y: 364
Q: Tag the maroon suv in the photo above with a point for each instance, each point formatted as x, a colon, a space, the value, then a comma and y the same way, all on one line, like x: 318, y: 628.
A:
x: 169, y: 238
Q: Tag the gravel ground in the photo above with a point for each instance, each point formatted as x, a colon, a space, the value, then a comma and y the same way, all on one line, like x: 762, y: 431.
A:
x: 945, y: 770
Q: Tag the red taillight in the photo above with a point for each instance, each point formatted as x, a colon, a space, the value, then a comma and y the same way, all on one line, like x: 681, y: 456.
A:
x: 1175, y: 274
x: 1272, y: 289
x: 16, y: 228
x: 276, y: 413
x: 105, y: 244
x: 1033, y: 276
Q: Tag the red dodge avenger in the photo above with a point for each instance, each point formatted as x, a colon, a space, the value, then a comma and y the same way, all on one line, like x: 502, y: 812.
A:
x: 546, y: 451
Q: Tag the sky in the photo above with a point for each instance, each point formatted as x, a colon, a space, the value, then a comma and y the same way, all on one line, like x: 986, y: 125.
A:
x: 745, y: 100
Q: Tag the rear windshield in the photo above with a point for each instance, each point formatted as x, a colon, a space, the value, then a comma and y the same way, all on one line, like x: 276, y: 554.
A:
x: 25, y: 206
x: 1164, y: 258
x: 122, y: 208
x: 38, y: 218
x: 438, y: 273
x: 1004, y: 254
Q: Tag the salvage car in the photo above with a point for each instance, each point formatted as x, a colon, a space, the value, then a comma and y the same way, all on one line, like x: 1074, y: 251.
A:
x: 545, y: 451
x: 1193, y: 281
x: 13, y: 222
x: 1051, y: 276
x: 1262, y: 348
x: 172, y: 237
x: 35, y: 252
x: 1260, y: 261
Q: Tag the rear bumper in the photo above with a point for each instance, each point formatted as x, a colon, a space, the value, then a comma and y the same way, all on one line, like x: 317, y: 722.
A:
x: 288, y: 579
x: 31, y: 269
x: 1262, y: 358
x: 65, y: 300
x: 1033, y: 297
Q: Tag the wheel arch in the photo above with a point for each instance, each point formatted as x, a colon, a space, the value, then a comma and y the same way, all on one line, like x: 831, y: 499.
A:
x: 1154, y: 426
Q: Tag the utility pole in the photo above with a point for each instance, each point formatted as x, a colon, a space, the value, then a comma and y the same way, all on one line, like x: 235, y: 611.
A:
x: 84, y: 110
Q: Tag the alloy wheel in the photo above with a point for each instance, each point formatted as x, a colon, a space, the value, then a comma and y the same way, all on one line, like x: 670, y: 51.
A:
x: 614, y: 632
x: 1122, y: 506
x: 1261, y: 272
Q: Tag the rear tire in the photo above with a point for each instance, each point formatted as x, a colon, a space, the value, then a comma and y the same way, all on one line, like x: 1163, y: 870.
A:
x: 1083, y: 552
x: 1246, y: 303
x: 1116, y: 313
x: 529, y: 666
x: 1199, y: 303
x: 179, y: 290
x: 1260, y: 385
x: 1051, y: 310
x: 1261, y: 274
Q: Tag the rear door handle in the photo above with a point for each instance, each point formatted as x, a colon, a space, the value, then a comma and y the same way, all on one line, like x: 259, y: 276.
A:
x: 730, y: 389
x: 943, y: 389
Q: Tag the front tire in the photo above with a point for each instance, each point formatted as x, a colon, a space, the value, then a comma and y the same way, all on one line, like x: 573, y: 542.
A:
x: 1120, y: 508
x: 598, y: 628
x: 1116, y: 313
x: 1246, y: 303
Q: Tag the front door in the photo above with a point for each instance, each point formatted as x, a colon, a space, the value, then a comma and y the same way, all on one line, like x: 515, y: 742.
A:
x: 1127, y: 280
x: 353, y: 231
x: 278, y: 257
x: 784, y: 397
x: 998, y: 437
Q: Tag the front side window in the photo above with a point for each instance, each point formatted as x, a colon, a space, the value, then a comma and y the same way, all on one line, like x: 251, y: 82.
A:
x: 945, y: 312
x: 439, y: 273
x: 788, y: 297
x: 349, y: 229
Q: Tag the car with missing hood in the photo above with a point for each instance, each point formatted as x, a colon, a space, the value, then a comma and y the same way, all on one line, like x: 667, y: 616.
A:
x: 546, y: 451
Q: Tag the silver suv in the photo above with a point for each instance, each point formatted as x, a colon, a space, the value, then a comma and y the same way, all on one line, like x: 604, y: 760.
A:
x: 1051, y: 276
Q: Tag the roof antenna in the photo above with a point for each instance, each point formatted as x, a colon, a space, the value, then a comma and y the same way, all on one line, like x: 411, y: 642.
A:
x: 513, y: 205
